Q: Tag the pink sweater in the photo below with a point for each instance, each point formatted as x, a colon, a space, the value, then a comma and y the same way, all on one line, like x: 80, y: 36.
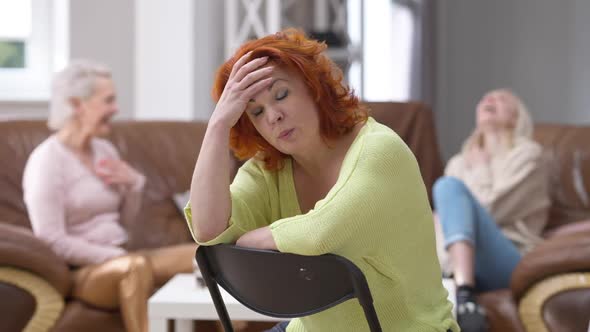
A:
x: 71, y: 208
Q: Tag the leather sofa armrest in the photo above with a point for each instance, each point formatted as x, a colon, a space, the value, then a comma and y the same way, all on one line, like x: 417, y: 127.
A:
x: 19, y: 248
x: 557, y: 255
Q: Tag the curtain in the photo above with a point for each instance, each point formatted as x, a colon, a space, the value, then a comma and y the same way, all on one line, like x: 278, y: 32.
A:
x: 423, y: 49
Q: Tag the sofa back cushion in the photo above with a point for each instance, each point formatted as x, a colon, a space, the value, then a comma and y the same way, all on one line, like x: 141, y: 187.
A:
x: 165, y: 152
x: 17, y: 141
x: 568, y: 154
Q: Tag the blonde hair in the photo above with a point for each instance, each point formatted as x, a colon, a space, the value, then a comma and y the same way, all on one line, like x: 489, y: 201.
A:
x: 523, y: 128
x: 77, y: 80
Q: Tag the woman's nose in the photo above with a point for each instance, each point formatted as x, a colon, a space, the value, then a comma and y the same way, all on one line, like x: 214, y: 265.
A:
x: 275, y: 115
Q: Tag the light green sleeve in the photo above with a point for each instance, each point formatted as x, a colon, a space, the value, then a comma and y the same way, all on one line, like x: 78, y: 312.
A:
x: 361, y: 205
x: 249, y: 201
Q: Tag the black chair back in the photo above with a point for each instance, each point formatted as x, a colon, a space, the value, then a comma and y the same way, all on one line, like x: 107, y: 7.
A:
x: 282, y: 285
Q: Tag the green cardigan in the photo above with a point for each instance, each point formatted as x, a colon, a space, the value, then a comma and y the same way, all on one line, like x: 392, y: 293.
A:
x: 377, y: 215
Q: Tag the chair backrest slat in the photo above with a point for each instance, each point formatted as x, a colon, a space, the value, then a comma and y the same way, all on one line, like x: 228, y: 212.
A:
x: 283, y: 285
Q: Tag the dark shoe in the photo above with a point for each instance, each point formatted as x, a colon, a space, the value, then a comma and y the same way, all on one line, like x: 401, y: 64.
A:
x: 471, y: 315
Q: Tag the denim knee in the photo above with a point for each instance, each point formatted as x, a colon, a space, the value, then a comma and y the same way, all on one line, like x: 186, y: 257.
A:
x: 447, y: 185
x: 454, y: 206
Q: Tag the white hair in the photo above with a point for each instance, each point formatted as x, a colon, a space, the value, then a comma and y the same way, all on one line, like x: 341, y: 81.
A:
x: 77, y: 80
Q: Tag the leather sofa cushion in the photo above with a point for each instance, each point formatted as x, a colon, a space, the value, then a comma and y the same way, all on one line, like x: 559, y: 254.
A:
x: 502, y: 311
x: 78, y: 316
x: 569, y: 160
x: 568, y: 311
x: 17, y: 304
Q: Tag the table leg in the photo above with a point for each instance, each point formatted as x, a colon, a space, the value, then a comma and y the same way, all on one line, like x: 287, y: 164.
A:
x: 183, y: 325
x: 158, y: 325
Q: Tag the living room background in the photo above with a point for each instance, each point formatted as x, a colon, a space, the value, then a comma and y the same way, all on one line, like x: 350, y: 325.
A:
x: 537, y: 48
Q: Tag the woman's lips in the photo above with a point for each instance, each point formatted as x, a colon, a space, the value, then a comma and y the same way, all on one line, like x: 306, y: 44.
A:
x: 285, y: 133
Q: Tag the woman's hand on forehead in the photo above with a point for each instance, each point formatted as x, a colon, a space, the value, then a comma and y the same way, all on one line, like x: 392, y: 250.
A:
x: 247, y: 79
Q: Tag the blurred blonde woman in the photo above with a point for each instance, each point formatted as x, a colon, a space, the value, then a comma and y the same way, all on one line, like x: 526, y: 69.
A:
x: 492, y: 203
x: 77, y: 191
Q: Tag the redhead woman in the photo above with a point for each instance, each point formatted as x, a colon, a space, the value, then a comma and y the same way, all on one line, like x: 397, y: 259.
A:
x: 322, y: 176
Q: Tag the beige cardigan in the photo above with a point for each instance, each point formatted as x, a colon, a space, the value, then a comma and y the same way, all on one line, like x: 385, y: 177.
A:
x: 513, y: 187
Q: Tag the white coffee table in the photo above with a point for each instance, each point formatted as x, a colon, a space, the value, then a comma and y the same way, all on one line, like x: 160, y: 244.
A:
x: 182, y: 300
x: 449, y: 285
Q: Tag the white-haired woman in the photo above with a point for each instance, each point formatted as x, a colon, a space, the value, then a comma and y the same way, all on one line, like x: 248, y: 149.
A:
x: 77, y: 190
x: 492, y: 203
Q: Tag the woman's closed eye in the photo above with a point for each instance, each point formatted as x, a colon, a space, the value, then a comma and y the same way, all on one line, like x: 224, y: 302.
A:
x: 282, y: 94
x: 257, y: 111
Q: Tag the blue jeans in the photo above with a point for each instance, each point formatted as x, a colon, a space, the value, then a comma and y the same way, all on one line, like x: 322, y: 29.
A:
x: 464, y: 219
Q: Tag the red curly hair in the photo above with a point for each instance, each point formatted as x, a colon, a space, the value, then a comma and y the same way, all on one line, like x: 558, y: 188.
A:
x: 339, y: 108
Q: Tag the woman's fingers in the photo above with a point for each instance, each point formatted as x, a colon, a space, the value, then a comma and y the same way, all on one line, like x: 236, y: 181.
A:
x: 114, y: 171
x: 253, y: 77
x: 246, y: 80
x: 115, y: 179
x: 248, y: 68
x: 241, y: 61
x: 255, y: 88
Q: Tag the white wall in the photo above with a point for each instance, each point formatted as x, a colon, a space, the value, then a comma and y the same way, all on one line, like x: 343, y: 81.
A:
x: 101, y: 30
x: 104, y: 31
x: 538, y: 48
x: 209, y: 53
x: 179, y: 45
x: 22, y: 110
x: 164, y: 35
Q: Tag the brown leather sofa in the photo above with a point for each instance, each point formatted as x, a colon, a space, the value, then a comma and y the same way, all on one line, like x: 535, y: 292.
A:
x: 550, y: 288
x: 166, y: 152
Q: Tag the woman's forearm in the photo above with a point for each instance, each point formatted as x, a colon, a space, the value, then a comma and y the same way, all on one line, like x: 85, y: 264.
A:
x: 210, y: 196
x: 260, y: 238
